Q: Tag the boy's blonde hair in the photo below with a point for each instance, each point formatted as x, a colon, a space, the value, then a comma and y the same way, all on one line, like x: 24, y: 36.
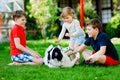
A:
x: 96, y: 23
x: 68, y: 11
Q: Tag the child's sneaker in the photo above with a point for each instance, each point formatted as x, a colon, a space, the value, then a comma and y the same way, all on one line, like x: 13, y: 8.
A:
x: 91, y: 64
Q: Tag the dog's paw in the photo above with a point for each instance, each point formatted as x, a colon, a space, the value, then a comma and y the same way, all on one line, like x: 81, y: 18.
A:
x: 66, y: 49
x: 77, y: 55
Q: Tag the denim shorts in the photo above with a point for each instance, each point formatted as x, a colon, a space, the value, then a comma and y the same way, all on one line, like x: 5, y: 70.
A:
x: 23, y: 57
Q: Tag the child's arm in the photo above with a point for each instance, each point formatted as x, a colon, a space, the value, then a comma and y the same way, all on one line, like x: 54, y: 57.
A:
x: 77, y: 49
x: 57, y: 41
x: 62, y: 33
x: 24, y: 49
x: 33, y: 52
x: 95, y: 56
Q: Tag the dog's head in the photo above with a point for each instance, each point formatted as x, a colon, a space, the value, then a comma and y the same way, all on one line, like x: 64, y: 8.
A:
x: 54, y: 53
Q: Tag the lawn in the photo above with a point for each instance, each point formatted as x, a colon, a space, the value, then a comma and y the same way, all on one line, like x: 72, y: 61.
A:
x: 81, y: 72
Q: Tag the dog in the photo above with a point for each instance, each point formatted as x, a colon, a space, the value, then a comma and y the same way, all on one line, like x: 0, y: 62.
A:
x: 56, y: 57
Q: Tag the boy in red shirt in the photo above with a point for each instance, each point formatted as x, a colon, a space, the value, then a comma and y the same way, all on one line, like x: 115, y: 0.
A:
x: 20, y: 53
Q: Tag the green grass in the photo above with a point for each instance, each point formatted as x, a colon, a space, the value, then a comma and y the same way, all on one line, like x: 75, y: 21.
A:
x: 26, y: 72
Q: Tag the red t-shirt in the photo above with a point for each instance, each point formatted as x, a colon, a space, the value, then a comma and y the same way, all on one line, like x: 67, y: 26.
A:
x: 17, y: 32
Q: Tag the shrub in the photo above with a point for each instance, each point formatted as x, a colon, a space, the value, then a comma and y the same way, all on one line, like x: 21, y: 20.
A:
x: 45, y: 12
x: 89, y: 11
x: 113, y: 27
x: 31, y: 24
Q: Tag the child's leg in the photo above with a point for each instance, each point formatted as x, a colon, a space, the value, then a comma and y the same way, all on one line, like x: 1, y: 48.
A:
x: 108, y: 61
x: 86, y: 54
x: 71, y: 45
x: 105, y: 60
x: 73, y: 56
x: 25, y: 59
x: 78, y: 42
x: 75, y: 46
x: 18, y: 63
x: 38, y: 61
x: 101, y: 59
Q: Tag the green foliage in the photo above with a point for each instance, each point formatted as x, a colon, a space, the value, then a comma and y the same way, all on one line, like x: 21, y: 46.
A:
x: 31, y: 23
x: 35, y: 35
x: 52, y: 25
x: 45, y: 12
x: 89, y: 11
x: 116, y: 4
x: 113, y: 27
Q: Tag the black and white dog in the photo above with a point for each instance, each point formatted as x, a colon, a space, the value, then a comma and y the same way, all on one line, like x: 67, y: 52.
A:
x: 56, y: 57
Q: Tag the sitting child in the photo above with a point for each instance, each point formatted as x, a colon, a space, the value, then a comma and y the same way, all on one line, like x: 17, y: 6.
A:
x: 103, y: 52
x: 20, y: 53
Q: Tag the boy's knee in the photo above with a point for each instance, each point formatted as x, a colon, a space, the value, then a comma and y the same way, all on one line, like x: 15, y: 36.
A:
x: 84, y: 52
x: 100, y: 59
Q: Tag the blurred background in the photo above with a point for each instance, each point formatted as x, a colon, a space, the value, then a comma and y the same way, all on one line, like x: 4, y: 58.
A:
x: 44, y: 21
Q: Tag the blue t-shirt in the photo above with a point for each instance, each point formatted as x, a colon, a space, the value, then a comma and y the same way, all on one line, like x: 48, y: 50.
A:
x: 103, y: 40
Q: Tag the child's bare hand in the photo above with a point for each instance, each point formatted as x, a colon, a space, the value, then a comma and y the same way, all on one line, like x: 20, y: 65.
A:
x: 69, y: 53
x: 90, y: 59
x: 57, y: 41
x: 67, y: 35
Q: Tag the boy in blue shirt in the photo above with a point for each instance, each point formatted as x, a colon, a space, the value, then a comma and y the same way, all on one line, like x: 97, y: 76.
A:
x: 103, y: 52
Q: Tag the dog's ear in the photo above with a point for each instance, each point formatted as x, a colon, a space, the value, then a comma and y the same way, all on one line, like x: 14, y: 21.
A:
x: 59, y: 47
x: 50, y: 47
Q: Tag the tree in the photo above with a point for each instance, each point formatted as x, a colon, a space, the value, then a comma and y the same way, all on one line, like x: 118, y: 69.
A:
x: 89, y: 11
x: 45, y: 12
x: 116, y: 4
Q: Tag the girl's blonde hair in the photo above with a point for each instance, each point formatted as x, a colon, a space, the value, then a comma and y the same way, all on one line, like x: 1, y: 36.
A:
x: 68, y: 11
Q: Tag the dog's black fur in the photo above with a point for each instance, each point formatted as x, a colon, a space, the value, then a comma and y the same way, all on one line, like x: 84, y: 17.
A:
x: 57, y: 54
